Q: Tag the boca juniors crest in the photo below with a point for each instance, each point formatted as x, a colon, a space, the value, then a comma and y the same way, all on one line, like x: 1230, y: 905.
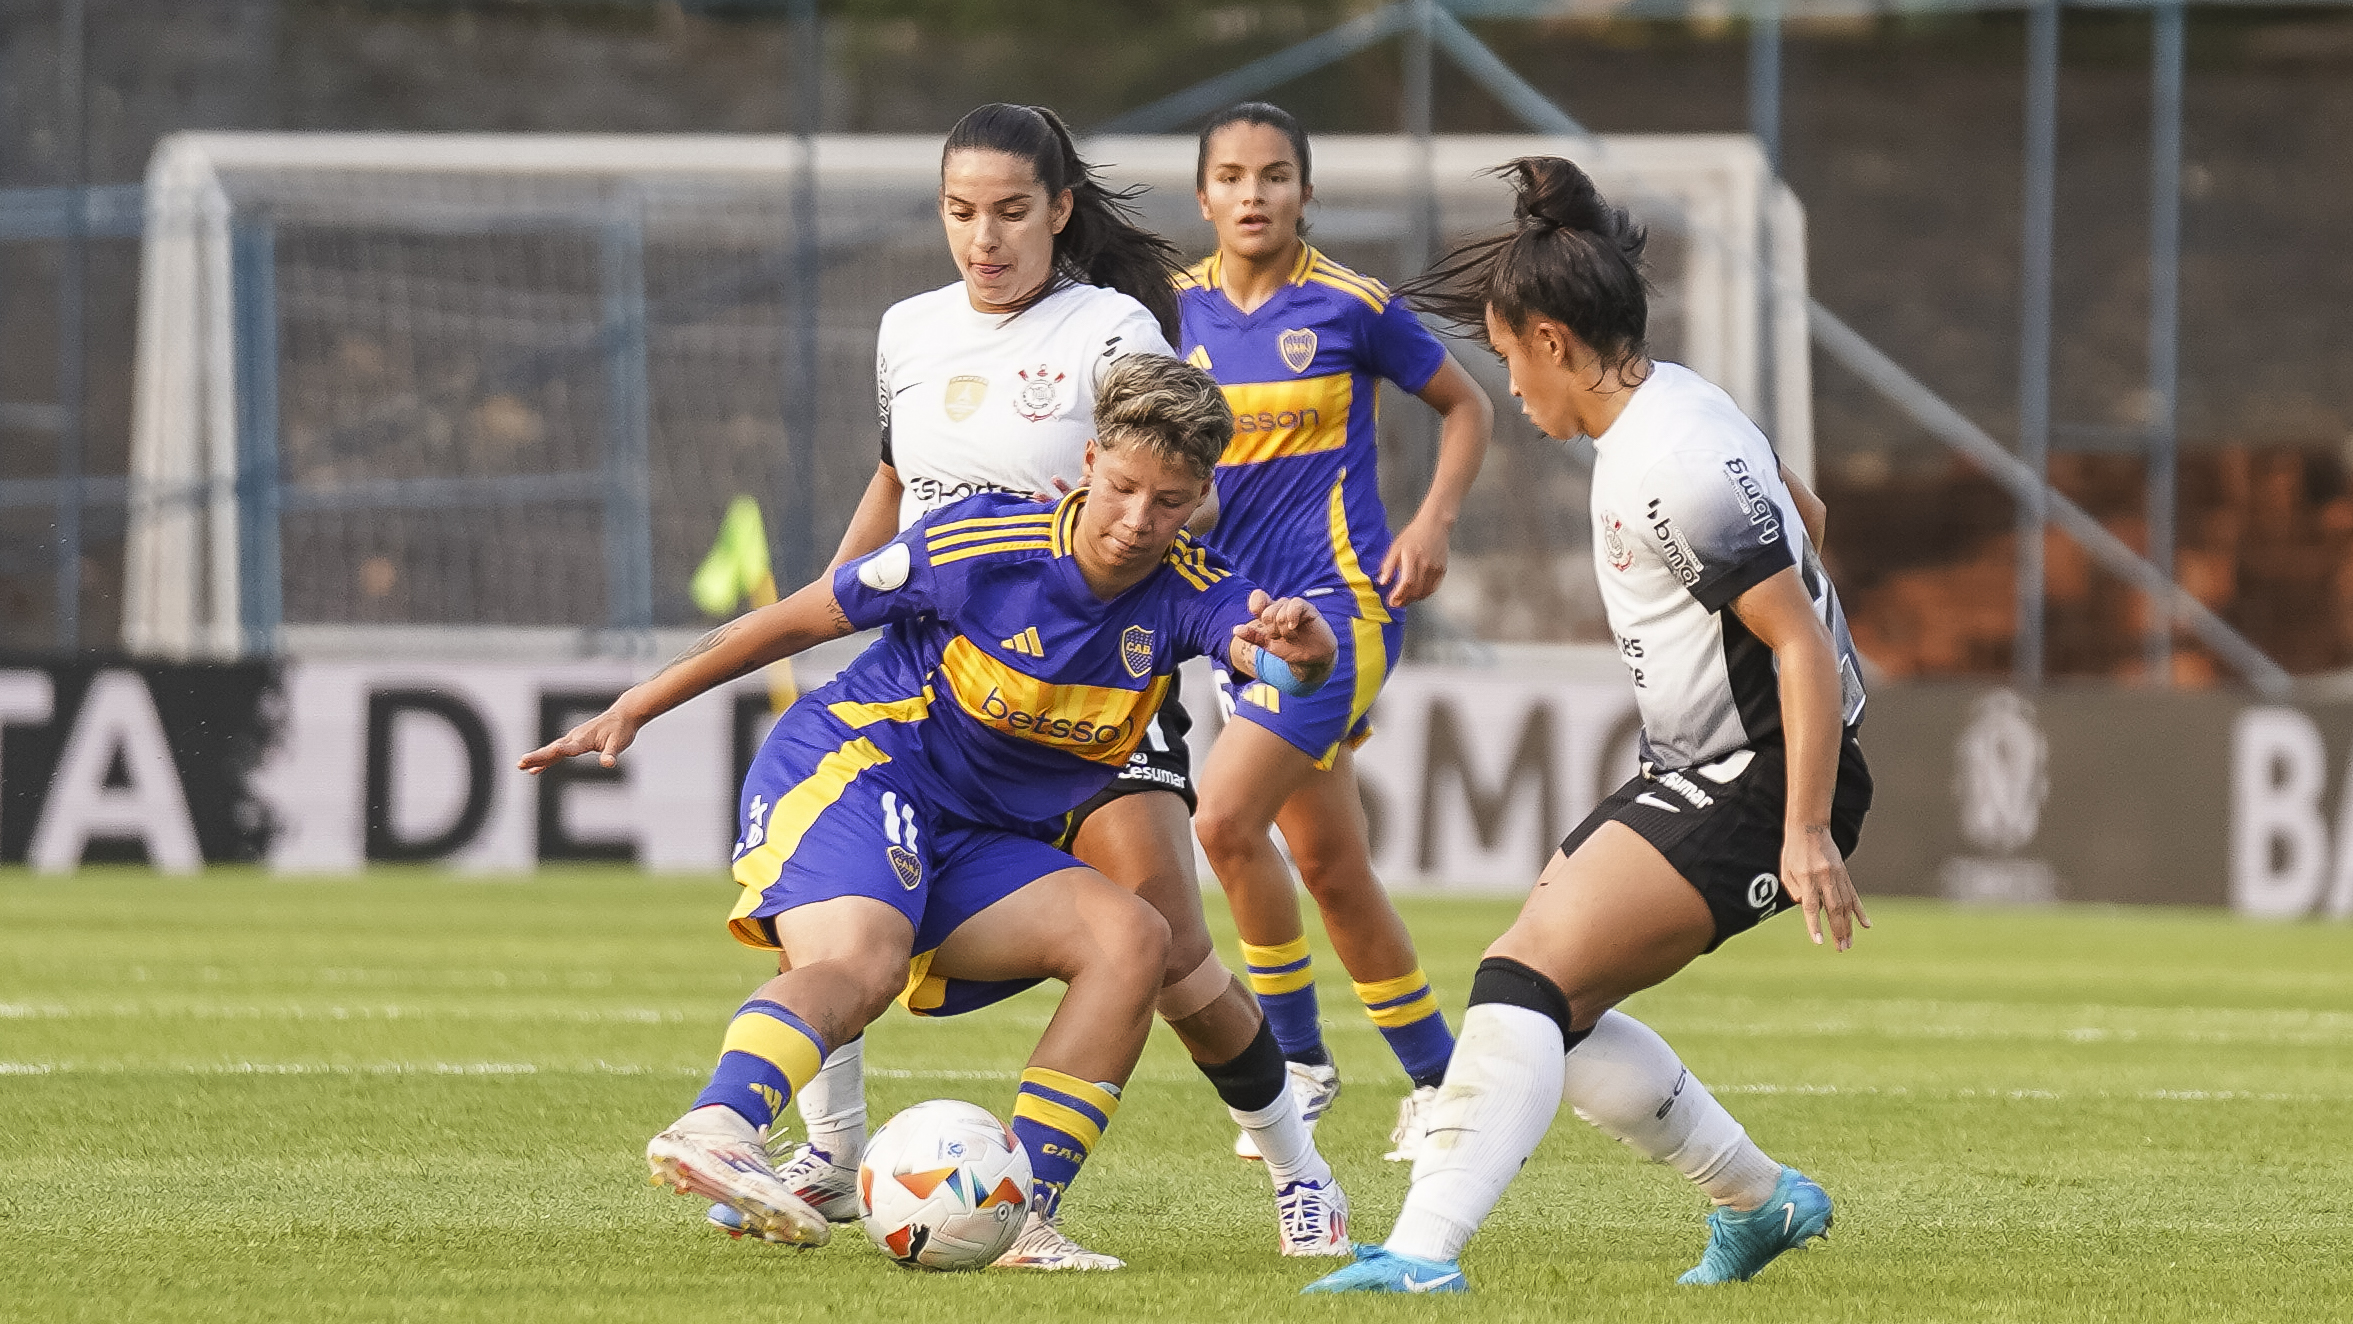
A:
x: 1298, y: 349
x: 1135, y: 651
x: 1041, y: 393
x: 906, y: 866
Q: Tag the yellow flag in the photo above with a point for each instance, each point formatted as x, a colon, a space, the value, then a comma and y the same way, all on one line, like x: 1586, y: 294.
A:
x: 737, y: 570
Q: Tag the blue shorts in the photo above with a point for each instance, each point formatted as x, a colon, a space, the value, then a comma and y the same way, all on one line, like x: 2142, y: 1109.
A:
x: 1341, y: 711
x: 826, y: 813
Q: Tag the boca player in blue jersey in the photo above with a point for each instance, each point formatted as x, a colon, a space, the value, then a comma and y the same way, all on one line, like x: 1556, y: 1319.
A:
x: 896, y: 825
x: 1301, y: 345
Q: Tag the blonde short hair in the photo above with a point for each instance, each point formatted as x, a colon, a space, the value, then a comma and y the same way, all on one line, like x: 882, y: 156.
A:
x: 1167, y: 404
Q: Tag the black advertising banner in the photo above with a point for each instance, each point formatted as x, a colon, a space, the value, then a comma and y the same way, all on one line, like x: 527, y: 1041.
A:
x: 106, y: 760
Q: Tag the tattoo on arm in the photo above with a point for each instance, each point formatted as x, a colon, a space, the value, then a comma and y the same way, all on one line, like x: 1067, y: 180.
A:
x: 704, y: 644
x: 840, y: 618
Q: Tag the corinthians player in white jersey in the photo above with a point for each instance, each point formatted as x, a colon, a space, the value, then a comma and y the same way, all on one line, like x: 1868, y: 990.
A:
x: 988, y: 385
x: 1752, y: 789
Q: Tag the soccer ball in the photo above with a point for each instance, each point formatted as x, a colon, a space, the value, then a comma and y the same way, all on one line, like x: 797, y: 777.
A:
x: 945, y: 1185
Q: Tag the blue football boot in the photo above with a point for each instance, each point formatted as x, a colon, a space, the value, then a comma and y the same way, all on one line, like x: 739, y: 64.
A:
x: 1380, y: 1270
x: 1741, y: 1245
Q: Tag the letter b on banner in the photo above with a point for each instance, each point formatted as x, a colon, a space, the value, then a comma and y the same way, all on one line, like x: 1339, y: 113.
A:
x: 2278, y: 840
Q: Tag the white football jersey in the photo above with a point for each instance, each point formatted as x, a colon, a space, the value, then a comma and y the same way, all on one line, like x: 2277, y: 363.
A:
x: 1689, y: 512
x: 979, y: 402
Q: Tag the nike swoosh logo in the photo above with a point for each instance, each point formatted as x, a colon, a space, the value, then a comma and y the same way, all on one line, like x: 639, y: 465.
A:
x: 1646, y: 798
x: 1788, y: 1216
x: 1413, y: 1284
x: 904, y: 389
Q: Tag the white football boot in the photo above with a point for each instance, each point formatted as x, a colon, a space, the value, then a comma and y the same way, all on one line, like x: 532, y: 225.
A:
x: 1314, y: 1087
x: 1413, y: 1124
x: 1042, y: 1246
x: 812, y: 1175
x: 1313, y: 1218
x: 706, y: 1156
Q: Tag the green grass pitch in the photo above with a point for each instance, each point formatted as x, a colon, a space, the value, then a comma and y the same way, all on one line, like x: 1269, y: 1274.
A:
x: 417, y: 1097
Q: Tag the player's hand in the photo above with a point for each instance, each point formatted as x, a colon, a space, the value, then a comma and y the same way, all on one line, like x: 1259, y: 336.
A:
x: 604, y: 735
x: 1415, y: 565
x: 1815, y: 874
x: 1293, y: 630
x: 1061, y: 490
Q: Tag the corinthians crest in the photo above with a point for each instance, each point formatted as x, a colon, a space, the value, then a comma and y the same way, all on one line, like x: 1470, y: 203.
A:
x: 1613, y: 541
x: 1041, y: 393
x: 1298, y: 349
x: 1135, y: 651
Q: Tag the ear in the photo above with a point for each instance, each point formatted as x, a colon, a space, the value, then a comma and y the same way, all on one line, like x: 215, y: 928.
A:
x: 1087, y: 466
x: 1201, y: 195
x: 1064, y: 204
x: 1306, y: 194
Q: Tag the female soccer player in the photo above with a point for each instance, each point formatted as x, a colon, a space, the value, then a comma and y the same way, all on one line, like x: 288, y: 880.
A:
x: 1752, y: 790
x: 1301, y: 345
x: 897, y: 824
x: 985, y: 385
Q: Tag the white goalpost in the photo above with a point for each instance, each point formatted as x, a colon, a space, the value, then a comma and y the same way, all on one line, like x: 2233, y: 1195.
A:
x: 489, y: 392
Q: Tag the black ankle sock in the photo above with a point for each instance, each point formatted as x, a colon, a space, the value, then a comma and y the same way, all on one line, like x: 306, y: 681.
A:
x: 1254, y: 1079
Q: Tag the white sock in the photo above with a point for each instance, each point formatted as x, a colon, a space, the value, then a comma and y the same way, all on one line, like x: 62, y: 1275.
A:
x: 1625, y: 1080
x: 1283, y: 1140
x: 717, y: 1119
x: 1501, y: 1091
x: 833, y: 1104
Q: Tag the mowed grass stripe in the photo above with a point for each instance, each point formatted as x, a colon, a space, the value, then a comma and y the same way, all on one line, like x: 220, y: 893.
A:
x: 2026, y: 1115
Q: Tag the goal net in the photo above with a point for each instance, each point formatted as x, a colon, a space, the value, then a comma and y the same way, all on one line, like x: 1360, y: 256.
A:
x: 483, y: 393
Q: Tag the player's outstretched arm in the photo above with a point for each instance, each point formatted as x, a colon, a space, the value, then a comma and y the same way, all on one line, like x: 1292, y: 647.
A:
x: 738, y: 648
x: 1298, y: 645
x: 1778, y: 612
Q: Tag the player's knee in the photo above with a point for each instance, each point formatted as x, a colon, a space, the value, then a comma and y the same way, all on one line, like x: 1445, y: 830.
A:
x: 1337, y: 880
x: 866, y: 987
x: 1133, y: 938
x: 1228, y: 830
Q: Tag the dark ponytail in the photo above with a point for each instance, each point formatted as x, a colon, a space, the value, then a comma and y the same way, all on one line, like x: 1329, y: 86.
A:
x: 1569, y: 255
x: 1104, y: 243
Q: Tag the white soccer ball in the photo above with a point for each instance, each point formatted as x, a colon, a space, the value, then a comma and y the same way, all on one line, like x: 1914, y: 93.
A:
x: 945, y: 1185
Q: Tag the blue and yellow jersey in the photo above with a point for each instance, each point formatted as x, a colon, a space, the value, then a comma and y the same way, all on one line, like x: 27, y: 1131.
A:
x: 1000, y: 673
x: 1299, y: 493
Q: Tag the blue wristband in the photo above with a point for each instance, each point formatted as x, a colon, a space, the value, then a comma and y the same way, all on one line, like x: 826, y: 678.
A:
x: 1276, y: 672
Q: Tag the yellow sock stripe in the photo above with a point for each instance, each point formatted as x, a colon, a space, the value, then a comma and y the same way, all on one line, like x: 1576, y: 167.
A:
x: 1282, y: 953
x: 1261, y: 964
x: 1389, y: 991
x: 1062, y: 1117
x: 780, y: 1042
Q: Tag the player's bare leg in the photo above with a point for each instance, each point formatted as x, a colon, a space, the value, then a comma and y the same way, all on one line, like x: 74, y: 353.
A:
x: 1109, y: 948
x: 1256, y: 780
x: 1145, y: 842
x: 848, y: 958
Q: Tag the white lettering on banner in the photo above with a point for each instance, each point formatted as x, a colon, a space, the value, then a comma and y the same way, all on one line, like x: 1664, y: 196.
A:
x: 117, y: 720
x: 2279, y: 847
x: 26, y: 698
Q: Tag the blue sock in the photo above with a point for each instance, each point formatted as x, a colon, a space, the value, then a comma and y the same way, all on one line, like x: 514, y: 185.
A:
x: 768, y: 1054
x: 1283, y: 977
x: 1407, y: 1014
x: 1058, y: 1118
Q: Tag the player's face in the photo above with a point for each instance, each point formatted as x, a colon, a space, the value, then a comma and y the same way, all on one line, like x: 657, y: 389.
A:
x: 1541, y: 358
x: 1136, y: 502
x: 1001, y: 225
x: 1252, y: 191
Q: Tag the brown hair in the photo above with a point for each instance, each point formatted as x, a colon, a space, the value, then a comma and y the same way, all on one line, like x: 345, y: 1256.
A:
x: 1171, y: 407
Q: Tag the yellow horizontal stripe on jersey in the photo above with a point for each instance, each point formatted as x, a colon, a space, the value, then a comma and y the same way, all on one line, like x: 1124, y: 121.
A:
x: 1037, y: 544
x: 1098, y: 723
x: 1275, y: 419
x: 986, y: 522
x: 911, y: 709
x: 1367, y: 593
x: 788, y: 822
x: 1033, y: 526
x: 1329, y: 273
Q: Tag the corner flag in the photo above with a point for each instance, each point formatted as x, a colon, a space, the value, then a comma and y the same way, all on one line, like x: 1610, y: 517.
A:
x: 735, y: 570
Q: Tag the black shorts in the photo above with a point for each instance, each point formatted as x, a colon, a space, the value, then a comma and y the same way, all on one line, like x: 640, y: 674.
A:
x: 1724, y: 836
x: 1161, y: 763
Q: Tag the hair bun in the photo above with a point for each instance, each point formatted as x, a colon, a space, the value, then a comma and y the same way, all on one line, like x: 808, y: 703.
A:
x: 1551, y: 192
